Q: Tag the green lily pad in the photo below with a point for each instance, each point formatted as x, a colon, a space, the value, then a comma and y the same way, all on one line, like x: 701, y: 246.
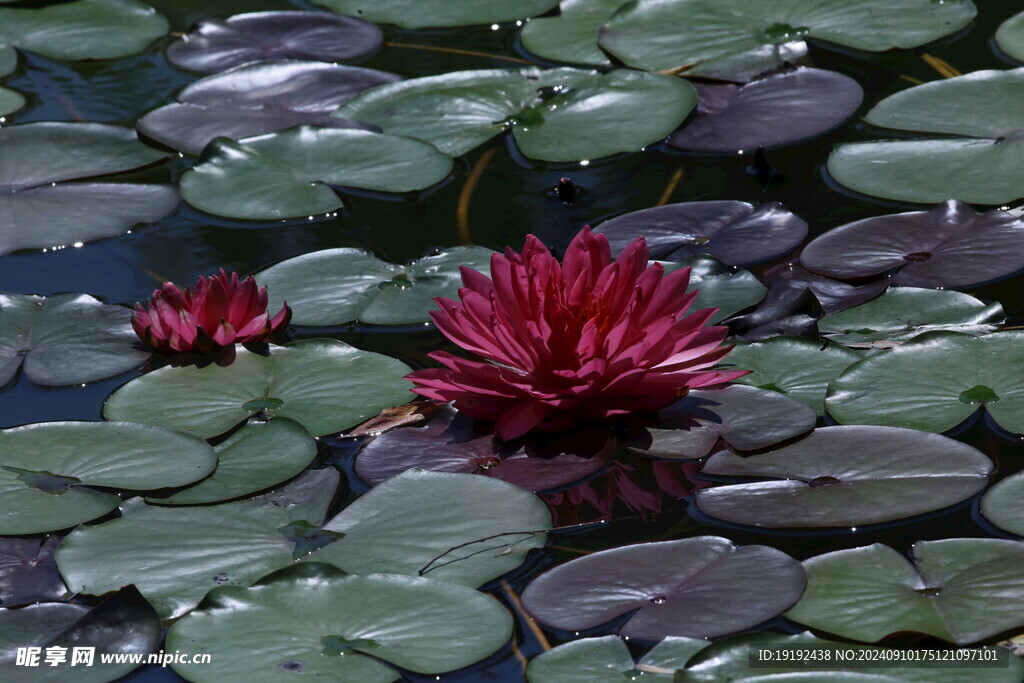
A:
x: 10, y: 101
x: 699, y: 587
x: 554, y: 115
x: 324, y: 623
x: 228, y: 544
x: 572, y: 35
x: 432, y: 524
x: 438, y: 13
x: 719, y: 286
x: 42, y: 477
x: 747, y: 418
x: 921, y: 384
x: 1003, y: 504
x: 979, y: 166
x: 730, y: 660
x: 608, y: 660
x: 735, y: 40
x: 258, y: 456
x: 65, y: 339
x: 1010, y: 36
x: 798, y: 367
x: 902, y: 313
x: 8, y: 60
x: 123, y: 624
x: 288, y: 174
x: 39, y: 210
x: 336, y: 286
x: 84, y: 29
x: 960, y: 589
x: 325, y: 385
x: 846, y: 476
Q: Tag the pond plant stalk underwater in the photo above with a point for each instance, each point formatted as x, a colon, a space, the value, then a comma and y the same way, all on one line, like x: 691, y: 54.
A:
x: 504, y: 340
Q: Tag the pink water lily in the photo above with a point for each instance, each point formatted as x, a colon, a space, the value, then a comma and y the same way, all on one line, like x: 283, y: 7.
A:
x: 220, y: 311
x: 587, y: 339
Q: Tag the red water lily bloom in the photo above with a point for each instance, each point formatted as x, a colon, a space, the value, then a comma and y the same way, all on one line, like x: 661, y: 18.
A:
x: 590, y: 338
x: 220, y: 311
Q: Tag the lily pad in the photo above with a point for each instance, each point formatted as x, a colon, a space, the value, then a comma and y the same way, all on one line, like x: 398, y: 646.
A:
x: 216, y: 45
x: 256, y: 457
x: 798, y: 367
x: 795, y: 299
x: 28, y: 573
x: 1010, y: 37
x: 10, y: 101
x: 608, y: 660
x: 288, y: 174
x: 747, y: 418
x: 720, y: 287
x: 776, y: 110
x: 266, y: 97
x: 1003, y: 504
x: 572, y: 35
x: 731, y: 660
x: 960, y: 589
x: 846, y: 476
x: 979, y: 166
x: 228, y: 544
x: 699, y: 587
x: 42, y: 480
x: 554, y: 115
x: 903, y: 313
x: 934, y: 382
x: 734, y: 40
x: 38, y: 209
x: 65, y: 339
x: 431, y: 524
x: 444, y: 446
x: 950, y: 246
x: 123, y: 624
x: 8, y: 60
x: 336, y: 286
x: 83, y: 29
x: 790, y: 285
x: 438, y: 13
x: 324, y: 623
x: 735, y: 233
x: 324, y: 385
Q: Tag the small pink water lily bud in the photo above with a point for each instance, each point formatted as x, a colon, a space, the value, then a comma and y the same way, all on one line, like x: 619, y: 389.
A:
x: 587, y: 339
x: 221, y: 311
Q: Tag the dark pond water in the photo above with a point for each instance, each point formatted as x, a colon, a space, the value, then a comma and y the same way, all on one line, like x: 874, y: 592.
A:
x: 512, y: 199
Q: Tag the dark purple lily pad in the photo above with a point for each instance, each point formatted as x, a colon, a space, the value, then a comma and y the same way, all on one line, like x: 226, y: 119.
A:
x: 254, y: 99
x: 700, y: 587
x: 792, y: 288
x: 736, y: 233
x: 123, y: 623
x: 952, y: 246
x: 448, y: 443
x: 779, y: 109
x: 28, y: 572
x: 218, y: 44
x: 746, y: 418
